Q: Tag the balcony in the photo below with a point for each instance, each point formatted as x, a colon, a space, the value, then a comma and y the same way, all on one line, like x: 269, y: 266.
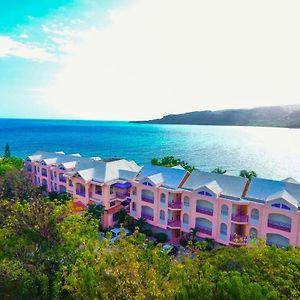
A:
x: 279, y: 225
x: 80, y: 193
x: 240, y: 218
x: 205, y: 210
x: 147, y: 199
x: 238, y: 239
x: 122, y: 195
x: 203, y: 229
x: 62, y: 179
x: 174, y: 205
x: 174, y: 223
x: 147, y: 216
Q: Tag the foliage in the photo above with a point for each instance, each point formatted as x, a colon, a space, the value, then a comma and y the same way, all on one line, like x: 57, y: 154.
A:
x: 17, y: 185
x: 161, y: 237
x: 219, y: 170
x: 171, y: 161
x: 8, y: 164
x: 7, y: 153
x: 95, y: 210
x: 48, y: 252
x: 148, y: 232
x: 140, y: 223
x: 248, y: 174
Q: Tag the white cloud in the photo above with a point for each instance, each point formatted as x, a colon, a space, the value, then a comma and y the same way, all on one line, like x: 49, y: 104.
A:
x: 172, y: 56
x: 10, y: 47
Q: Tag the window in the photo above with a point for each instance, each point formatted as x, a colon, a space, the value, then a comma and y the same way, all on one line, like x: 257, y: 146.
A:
x: 162, y: 215
x: 29, y: 168
x: 112, y: 203
x: 133, y: 206
x: 281, y: 205
x: 185, y: 219
x: 44, y: 172
x: 70, y: 182
x: 111, y: 189
x: 186, y: 201
x: 134, y: 190
x: 204, y: 193
x: 115, y: 217
x: 147, y: 183
x: 55, y: 186
x: 162, y: 198
x: 98, y: 190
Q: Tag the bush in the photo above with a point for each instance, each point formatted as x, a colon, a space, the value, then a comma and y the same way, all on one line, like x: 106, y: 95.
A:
x: 161, y: 237
x: 148, y: 232
x: 183, y: 241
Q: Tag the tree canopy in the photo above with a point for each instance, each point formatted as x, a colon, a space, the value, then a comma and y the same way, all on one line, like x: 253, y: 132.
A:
x: 171, y: 161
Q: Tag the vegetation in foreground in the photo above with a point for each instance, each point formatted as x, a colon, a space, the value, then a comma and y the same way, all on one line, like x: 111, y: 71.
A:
x: 48, y: 252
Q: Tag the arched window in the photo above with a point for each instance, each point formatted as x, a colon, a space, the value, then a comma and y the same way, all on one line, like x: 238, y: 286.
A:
x: 80, y: 189
x: 185, y: 219
x: 186, y: 201
x: 224, y: 210
x: 162, y: 199
x: 162, y: 215
x: 254, y: 214
x: 253, y: 233
x: 133, y: 190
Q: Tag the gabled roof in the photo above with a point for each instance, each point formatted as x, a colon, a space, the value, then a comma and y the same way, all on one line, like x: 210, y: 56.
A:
x: 212, y: 186
x: 283, y: 195
x: 290, y: 180
x: 261, y: 189
x: 170, y: 177
x: 156, y: 179
x: 230, y: 186
x: 106, y: 171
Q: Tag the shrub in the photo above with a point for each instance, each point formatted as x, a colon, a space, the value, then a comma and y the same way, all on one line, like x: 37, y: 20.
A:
x: 184, y: 241
x: 161, y: 237
x: 148, y: 232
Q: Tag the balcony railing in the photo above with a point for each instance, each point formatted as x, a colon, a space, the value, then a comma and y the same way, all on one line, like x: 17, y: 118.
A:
x: 238, y: 239
x: 147, y: 216
x: 279, y: 225
x: 174, y: 223
x: 203, y: 229
x: 80, y: 193
x: 176, y: 205
x: 147, y: 199
x: 205, y: 210
x: 240, y: 218
x: 122, y: 195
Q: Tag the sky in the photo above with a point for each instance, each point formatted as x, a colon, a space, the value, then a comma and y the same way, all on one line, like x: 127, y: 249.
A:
x: 142, y: 59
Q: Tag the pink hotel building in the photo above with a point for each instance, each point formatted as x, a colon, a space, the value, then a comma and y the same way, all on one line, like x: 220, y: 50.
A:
x: 227, y: 208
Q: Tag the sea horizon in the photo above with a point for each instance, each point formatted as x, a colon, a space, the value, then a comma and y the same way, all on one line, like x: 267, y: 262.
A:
x: 204, y: 146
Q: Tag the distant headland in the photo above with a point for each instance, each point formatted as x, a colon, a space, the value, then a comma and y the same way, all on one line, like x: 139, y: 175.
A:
x: 274, y: 116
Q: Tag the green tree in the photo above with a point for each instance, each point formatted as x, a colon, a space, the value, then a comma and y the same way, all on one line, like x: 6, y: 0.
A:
x: 219, y: 170
x: 248, y: 174
x: 7, y: 151
x: 171, y: 161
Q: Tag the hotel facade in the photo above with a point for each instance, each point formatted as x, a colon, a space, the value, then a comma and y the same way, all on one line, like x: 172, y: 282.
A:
x: 229, y: 209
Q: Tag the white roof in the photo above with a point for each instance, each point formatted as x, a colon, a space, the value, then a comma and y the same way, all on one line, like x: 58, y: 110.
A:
x: 213, y: 186
x: 290, y: 180
x: 227, y: 185
x: 283, y: 195
x: 261, y: 189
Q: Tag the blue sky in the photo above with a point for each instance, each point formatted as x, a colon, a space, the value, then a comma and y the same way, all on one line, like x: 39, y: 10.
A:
x: 137, y: 59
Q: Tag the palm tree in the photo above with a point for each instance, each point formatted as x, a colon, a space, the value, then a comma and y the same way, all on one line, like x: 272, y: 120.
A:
x: 193, y: 234
x: 140, y: 223
x: 248, y: 174
x: 219, y: 170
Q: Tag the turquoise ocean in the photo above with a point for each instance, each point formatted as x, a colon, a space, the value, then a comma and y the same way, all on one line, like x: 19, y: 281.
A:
x: 271, y: 152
